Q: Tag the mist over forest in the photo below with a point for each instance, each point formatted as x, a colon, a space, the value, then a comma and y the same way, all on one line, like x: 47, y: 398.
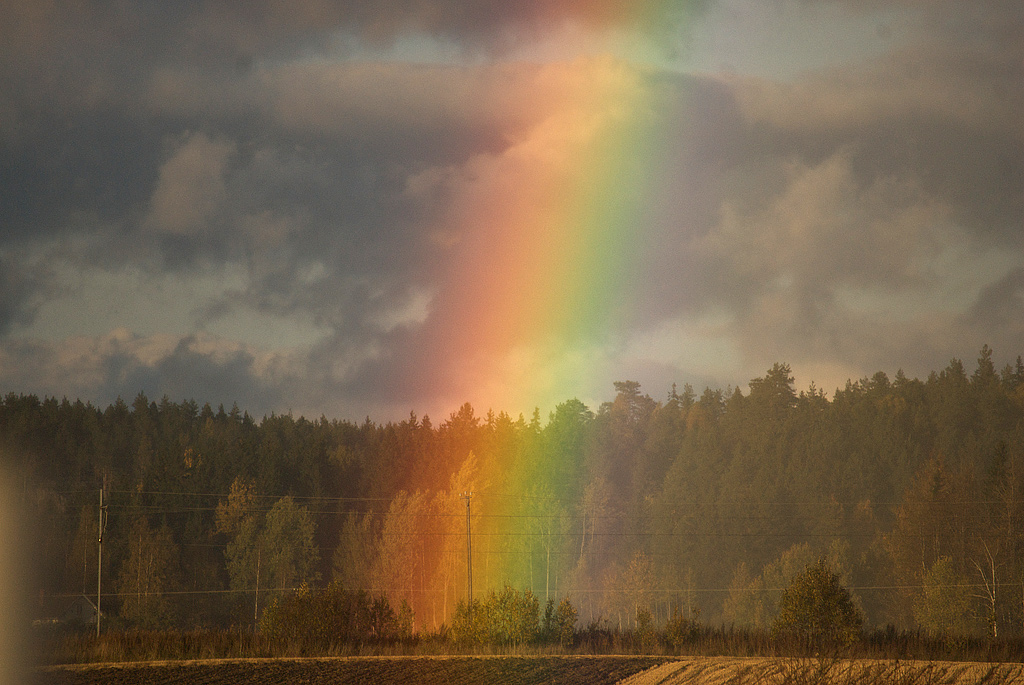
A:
x: 705, y: 502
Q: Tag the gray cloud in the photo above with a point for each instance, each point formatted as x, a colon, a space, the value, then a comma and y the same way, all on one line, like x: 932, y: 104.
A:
x: 855, y: 218
x: 877, y: 193
x: 19, y: 294
x: 123, y: 364
x: 1000, y: 307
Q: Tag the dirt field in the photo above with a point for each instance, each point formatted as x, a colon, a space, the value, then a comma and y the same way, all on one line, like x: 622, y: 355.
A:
x: 626, y: 670
x: 761, y: 671
x: 425, y: 670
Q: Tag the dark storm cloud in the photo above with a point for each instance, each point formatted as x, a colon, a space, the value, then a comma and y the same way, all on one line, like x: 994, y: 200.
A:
x: 991, y: 22
x: 97, y: 164
x: 19, y: 291
x: 84, y: 105
x: 835, y: 202
x: 1000, y: 307
x: 118, y: 37
x: 871, y: 180
x: 944, y: 117
x: 122, y: 365
x: 296, y: 183
x: 217, y: 376
x: 131, y: 124
x: 250, y: 24
x: 807, y: 216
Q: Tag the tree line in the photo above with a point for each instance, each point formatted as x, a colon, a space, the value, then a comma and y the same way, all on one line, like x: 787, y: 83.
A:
x: 686, y: 505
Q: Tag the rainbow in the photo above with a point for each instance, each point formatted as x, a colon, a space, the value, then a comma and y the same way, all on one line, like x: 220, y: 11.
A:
x: 551, y: 240
x: 548, y: 244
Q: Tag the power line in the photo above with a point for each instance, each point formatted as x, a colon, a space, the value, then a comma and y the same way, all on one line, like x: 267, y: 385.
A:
x: 156, y: 509
x: 533, y: 498
x: 577, y: 591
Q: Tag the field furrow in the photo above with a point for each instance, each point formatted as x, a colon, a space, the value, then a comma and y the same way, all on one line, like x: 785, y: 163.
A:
x: 530, y: 670
x: 419, y: 670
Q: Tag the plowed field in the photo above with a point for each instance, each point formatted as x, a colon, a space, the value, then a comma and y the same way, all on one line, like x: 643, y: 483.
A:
x: 762, y: 671
x: 419, y: 670
x: 627, y: 670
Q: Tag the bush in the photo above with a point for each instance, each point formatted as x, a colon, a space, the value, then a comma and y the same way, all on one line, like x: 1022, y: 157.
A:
x: 943, y: 607
x: 646, y: 638
x: 513, y: 617
x: 816, y: 607
x: 559, y: 623
x: 468, y: 624
x: 565, y: 622
x: 597, y: 638
x: 681, y: 631
x: 503, y: 618
x: 318, y: 619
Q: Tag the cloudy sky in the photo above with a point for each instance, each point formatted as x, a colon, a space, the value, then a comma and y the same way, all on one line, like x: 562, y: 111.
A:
x: 365, y: 208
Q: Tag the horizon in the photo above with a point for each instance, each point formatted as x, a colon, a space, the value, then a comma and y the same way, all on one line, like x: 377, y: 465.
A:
x: 480, y: 413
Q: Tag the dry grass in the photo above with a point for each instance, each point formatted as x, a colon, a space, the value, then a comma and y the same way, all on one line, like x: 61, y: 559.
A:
x: 795, y: 661
x: 824, y: 671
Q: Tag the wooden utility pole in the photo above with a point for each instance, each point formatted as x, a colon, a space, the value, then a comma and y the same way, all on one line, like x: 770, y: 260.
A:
x: 99, y: 561
x: 468, y: 496
x: 256, y: 603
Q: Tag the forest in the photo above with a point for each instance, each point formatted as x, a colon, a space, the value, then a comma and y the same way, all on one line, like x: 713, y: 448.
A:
x: 695, y: 505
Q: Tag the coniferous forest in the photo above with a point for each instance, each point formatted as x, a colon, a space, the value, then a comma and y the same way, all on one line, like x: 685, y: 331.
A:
x: 694, y: 503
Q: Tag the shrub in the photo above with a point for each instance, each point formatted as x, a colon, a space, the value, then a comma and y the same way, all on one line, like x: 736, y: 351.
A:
x: 681, y: 631
x: 816, y: 607
x: 548, y: 630
x: 332, y: 616
x: 503, y: 618
x: 943, y: 607
x: 468, y: 624
x: 406, y: 616
x: 596, y: 638
x: 645, y: 635
x: 559, y: 623
x: 565, y: 622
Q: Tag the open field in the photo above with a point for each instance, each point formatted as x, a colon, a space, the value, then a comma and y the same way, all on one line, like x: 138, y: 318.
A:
x: 823, y: 671
x: 426, y: 670
x: 526, y: 670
